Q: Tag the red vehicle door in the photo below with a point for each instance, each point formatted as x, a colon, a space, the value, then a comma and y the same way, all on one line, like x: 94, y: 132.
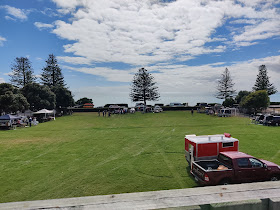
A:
x: 243, y: 170
x: 259, y: 172
x: 250, y: 169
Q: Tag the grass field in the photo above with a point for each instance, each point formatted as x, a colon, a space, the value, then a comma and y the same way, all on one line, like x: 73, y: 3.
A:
x: 83, y: 154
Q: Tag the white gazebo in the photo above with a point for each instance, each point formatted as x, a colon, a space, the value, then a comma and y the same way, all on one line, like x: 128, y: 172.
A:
x: 45, y: 111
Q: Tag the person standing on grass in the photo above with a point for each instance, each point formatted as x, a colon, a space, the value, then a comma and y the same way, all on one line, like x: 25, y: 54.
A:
x: 192, y: 111
x: 30, y: 121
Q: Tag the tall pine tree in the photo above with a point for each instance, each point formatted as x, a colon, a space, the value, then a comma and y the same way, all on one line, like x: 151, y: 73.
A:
x: 22, y: 72
x: 225, y: 86
x: 52, y: 75
x: 262, y: 81
x: 143, y: 87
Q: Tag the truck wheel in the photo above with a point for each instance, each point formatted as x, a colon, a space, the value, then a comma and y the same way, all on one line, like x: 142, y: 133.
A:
x: 275, y: 178
x: 225, y: 182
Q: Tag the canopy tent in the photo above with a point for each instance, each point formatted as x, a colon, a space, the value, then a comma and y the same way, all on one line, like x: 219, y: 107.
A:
x: 9, y: 117
x: 44, y: 111
x: 8, y: 120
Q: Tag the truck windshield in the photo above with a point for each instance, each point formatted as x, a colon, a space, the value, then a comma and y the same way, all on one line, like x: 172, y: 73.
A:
x: 224, y: 159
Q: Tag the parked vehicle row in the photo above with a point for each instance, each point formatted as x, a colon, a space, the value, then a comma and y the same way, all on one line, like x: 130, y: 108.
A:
x: 267, y: 119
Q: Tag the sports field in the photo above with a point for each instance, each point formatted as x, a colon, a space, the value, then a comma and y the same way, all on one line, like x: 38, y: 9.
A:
x: 84, y: 155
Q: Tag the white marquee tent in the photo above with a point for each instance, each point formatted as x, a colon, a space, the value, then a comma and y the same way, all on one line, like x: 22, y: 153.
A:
x: 45, y: 111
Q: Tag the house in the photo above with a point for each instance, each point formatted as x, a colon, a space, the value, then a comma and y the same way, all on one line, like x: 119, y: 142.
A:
x: 88, y: 105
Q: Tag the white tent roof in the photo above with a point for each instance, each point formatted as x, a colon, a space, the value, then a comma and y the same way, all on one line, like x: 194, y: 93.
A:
x: 44, y: 111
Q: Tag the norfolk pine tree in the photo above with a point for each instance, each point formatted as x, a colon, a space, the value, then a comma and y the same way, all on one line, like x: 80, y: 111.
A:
x: 52, y: 75
x: 143, y: 87
x: 262, y: 81
x: 22, y: 72
x: 225, y: 86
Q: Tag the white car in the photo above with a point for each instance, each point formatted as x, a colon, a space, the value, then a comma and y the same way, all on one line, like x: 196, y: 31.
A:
x: 157, y: 109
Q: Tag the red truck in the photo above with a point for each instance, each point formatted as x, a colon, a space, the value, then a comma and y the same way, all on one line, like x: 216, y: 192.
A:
x: 234, y: 167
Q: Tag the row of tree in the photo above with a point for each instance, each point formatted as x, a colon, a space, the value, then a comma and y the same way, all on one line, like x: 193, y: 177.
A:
x: 253, y: 101
x: 25, y: 93
x: 52, y: 92
x: 143, y: 88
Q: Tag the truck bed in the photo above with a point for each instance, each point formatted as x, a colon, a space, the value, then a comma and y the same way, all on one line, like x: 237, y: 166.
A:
x: 209, y: 165
x: 210, y: 172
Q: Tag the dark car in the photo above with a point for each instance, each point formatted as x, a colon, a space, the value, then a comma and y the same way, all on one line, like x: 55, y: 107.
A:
x: 272, y: 120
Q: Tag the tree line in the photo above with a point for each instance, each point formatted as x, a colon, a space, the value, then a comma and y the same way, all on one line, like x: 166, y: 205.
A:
x: 143, y: 88
x: 25, y: 92
x: 252, y: 101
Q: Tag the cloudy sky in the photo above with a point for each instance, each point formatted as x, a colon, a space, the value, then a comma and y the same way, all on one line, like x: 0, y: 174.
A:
x: 185, y: 44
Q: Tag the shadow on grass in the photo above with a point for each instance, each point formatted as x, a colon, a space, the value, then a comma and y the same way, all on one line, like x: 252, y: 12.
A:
x: 188, y: 170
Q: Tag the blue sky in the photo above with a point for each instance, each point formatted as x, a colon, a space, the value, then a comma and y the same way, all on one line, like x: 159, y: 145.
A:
x: 186, y: 45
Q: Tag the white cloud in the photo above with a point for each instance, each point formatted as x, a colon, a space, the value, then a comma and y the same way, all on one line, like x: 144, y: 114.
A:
x: 41, y: 26
x: 104, y: 95
x: 2, y: 80
x: 113, y: 75
x: 50, y: 12
x: 244, y: 21
x: 15, y: 13
x: 147, y: 32
x: 245, y: 44
x: 74, y: 60
x: 67, y: 5
x: 266, y: 29
x: 9, y: 18
x: 2, y: 40
x: 139, y: 32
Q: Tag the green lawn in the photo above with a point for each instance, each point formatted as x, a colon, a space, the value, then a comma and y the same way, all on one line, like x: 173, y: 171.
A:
x: 83, y: 154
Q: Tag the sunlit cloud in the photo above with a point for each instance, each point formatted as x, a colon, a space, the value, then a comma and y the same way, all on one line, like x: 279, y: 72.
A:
x: 2, y: 40
x: 16, y: 13
x: 42, y: 26
x: 150, y: 32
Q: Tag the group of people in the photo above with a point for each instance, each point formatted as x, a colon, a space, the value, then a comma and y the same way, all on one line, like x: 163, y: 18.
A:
x: 27, y: 121
x: 104, y: 113
x: 115, y: 111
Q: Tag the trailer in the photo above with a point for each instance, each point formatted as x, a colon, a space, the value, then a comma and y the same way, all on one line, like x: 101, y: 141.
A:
x: 208, y: 147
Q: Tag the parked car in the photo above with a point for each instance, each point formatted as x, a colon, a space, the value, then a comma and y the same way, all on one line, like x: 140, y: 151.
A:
x: 157, y: 109
x: 234, y: 167
x: 272, y: 120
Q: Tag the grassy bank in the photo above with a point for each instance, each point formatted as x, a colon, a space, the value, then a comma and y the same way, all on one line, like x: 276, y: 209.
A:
x: 83, y: 154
